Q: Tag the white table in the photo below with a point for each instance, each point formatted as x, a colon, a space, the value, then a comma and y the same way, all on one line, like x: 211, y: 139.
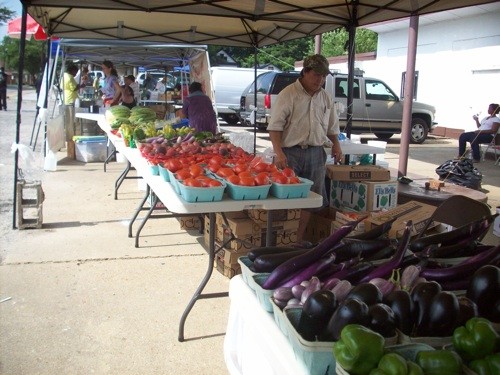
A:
x: 351, y: 148
x: 176, y: 205
x: 253, y: 343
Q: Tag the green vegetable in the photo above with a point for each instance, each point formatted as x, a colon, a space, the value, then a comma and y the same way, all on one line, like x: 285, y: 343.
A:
x: 359, y: 349
x: 391, y: 364
x: 439, y: 362
x: 476, y: 339
x: 139, y: 134
x: 414, y: 369
x: 489, y: 365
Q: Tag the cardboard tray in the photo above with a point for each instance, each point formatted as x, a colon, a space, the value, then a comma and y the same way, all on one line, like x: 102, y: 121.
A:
x: 287, y: 191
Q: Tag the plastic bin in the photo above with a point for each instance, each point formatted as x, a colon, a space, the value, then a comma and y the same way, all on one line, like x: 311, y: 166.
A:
x: 263, y: 295
x: 163, y: 172
x: 287, y: 191
x: 317, y: 356
x: 174, y: 182
x: 238, y: 192
x: 201, y: 194
x: 91, y: 151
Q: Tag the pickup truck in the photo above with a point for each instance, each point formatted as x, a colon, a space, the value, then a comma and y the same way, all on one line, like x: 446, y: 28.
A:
x: 376, y: 108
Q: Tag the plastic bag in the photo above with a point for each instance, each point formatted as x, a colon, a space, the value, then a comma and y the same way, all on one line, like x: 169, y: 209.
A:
x: 460, y: 172
x: 56, y: 138
x: 30, y: 165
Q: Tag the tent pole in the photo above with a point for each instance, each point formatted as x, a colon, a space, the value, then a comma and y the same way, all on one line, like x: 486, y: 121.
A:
x: 22, y: 45
x: 254, y: 112
x: 351, y: 56
x: 408, y: 93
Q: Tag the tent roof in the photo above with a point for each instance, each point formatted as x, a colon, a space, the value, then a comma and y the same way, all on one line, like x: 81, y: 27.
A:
x: 130, y: 52
x: 222, y: 22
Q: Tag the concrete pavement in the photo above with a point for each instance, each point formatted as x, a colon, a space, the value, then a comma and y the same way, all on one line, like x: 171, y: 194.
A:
x: 83, y: 300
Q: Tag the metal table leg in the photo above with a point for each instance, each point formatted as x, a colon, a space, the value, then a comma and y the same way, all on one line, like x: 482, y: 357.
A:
x: 138, y: 209
x: 197, y: 295
x: 145, y: 219
x: 108, y: 159
x: 121, y: 177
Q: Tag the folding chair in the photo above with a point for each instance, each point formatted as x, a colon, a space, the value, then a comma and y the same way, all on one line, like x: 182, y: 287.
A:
x: 493, y: 145
x: 458, y: 210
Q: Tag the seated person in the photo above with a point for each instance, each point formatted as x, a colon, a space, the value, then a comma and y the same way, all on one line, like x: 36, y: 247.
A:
x: 127, y: 97
x: 486, y: 131
x: 340, y: 92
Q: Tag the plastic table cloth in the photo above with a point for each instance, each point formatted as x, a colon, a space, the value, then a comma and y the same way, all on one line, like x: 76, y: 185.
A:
x: 175, y: 204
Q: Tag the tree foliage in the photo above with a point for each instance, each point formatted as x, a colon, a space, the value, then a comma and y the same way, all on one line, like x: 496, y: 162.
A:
x: 5, y: 15
x: 284, y: 55
x: 34, y: 54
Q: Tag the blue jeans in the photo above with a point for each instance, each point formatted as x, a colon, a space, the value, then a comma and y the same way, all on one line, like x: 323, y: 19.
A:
x: 475, y: 140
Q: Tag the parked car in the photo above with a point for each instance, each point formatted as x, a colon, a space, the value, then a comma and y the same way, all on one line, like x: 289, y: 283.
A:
x: 376, y: 108
x: 228, y: 83
x: 269, y: 85
x: 157, y: 75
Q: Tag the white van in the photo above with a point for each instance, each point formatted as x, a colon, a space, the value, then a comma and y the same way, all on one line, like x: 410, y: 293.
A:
x: 228, y: 83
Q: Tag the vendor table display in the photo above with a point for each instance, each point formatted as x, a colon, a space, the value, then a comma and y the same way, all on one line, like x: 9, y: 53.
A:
x: 175, y: 204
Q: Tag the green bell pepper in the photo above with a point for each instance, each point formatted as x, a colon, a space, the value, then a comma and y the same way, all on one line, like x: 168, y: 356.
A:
x: 489, y: 365
x: 394, y: 364
x: 439, y: 362
x: 359, y: 349
x: 476, y: 339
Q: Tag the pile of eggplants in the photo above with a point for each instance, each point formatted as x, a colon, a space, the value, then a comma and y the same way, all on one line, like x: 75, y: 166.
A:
x: 406, y: 285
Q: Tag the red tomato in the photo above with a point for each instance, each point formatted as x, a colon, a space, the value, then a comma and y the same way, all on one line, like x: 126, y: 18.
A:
x: 196, y: 170
x: 193, y: 182
x: 261, y: 167
x: 247, y: 181
x: 294, y: 180
x: 225, y: 172
x: 173, y: 165
x: 261, y: 179
x: 213, y: 167
x: 215, y: 160
x: 288, y: 172
x: 239, y: 168
x: 183, y: 174
x: 214, y: 183
x: 279, y: 178
x: 234, y: 179
x: 246, y: 173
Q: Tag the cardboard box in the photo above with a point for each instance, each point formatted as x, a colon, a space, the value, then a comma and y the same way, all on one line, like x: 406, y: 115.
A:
x: 325, y: 222
x: 247, y: 234
x: 192, y: 222
x: 364, y: 196
x: 228, y: 270
x: 260, y: 216
x: 416, y: 211
x: 358, y: 173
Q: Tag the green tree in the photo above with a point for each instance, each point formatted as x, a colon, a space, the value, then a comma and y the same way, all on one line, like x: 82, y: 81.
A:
x: 34, y: 54
x: 334, y: 43
x: 5, y: 15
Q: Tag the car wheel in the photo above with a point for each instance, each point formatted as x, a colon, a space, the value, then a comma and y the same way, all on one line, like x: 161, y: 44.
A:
x: 418, y: 130
x: 384, y: 136
x: 231, y: 119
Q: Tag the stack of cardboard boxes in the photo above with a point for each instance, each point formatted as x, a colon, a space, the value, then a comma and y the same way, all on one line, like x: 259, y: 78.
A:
x: 364, y: 191
x: 236, y: 233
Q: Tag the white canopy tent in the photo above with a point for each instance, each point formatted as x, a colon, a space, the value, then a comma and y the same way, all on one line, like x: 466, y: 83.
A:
x: 250, y: 23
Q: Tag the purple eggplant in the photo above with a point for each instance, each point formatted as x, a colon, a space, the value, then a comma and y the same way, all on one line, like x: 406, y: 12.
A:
x: 254, y: 253
x: 366, y: 292
x: 308, y: 272
x: 351, y: 311
x: 268, y: 262
x: 291, y: 266
x: 443, y: 314
x: 463, y: 269
x: 316, y: 313
x: 382, y: 319
x: 483, y: 290
x: 402, y: 305
x: 467, y: 309
x: 422, y: 295
x: 469, y: 231
x: 375, y: 232
x: 385, y: 269
x: 359, y: 248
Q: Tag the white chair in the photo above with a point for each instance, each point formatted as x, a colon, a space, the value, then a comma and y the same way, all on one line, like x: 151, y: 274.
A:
x: 493, y: 145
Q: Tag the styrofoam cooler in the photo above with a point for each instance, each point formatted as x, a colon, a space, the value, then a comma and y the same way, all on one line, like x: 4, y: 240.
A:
x: 380, y: 144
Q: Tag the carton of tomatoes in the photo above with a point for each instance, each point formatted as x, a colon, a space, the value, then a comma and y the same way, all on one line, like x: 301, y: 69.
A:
x: 289, y: 190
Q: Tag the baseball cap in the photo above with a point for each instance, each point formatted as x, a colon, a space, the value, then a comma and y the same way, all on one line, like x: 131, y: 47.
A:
x: 131, y: 77
x: 318, y: 63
